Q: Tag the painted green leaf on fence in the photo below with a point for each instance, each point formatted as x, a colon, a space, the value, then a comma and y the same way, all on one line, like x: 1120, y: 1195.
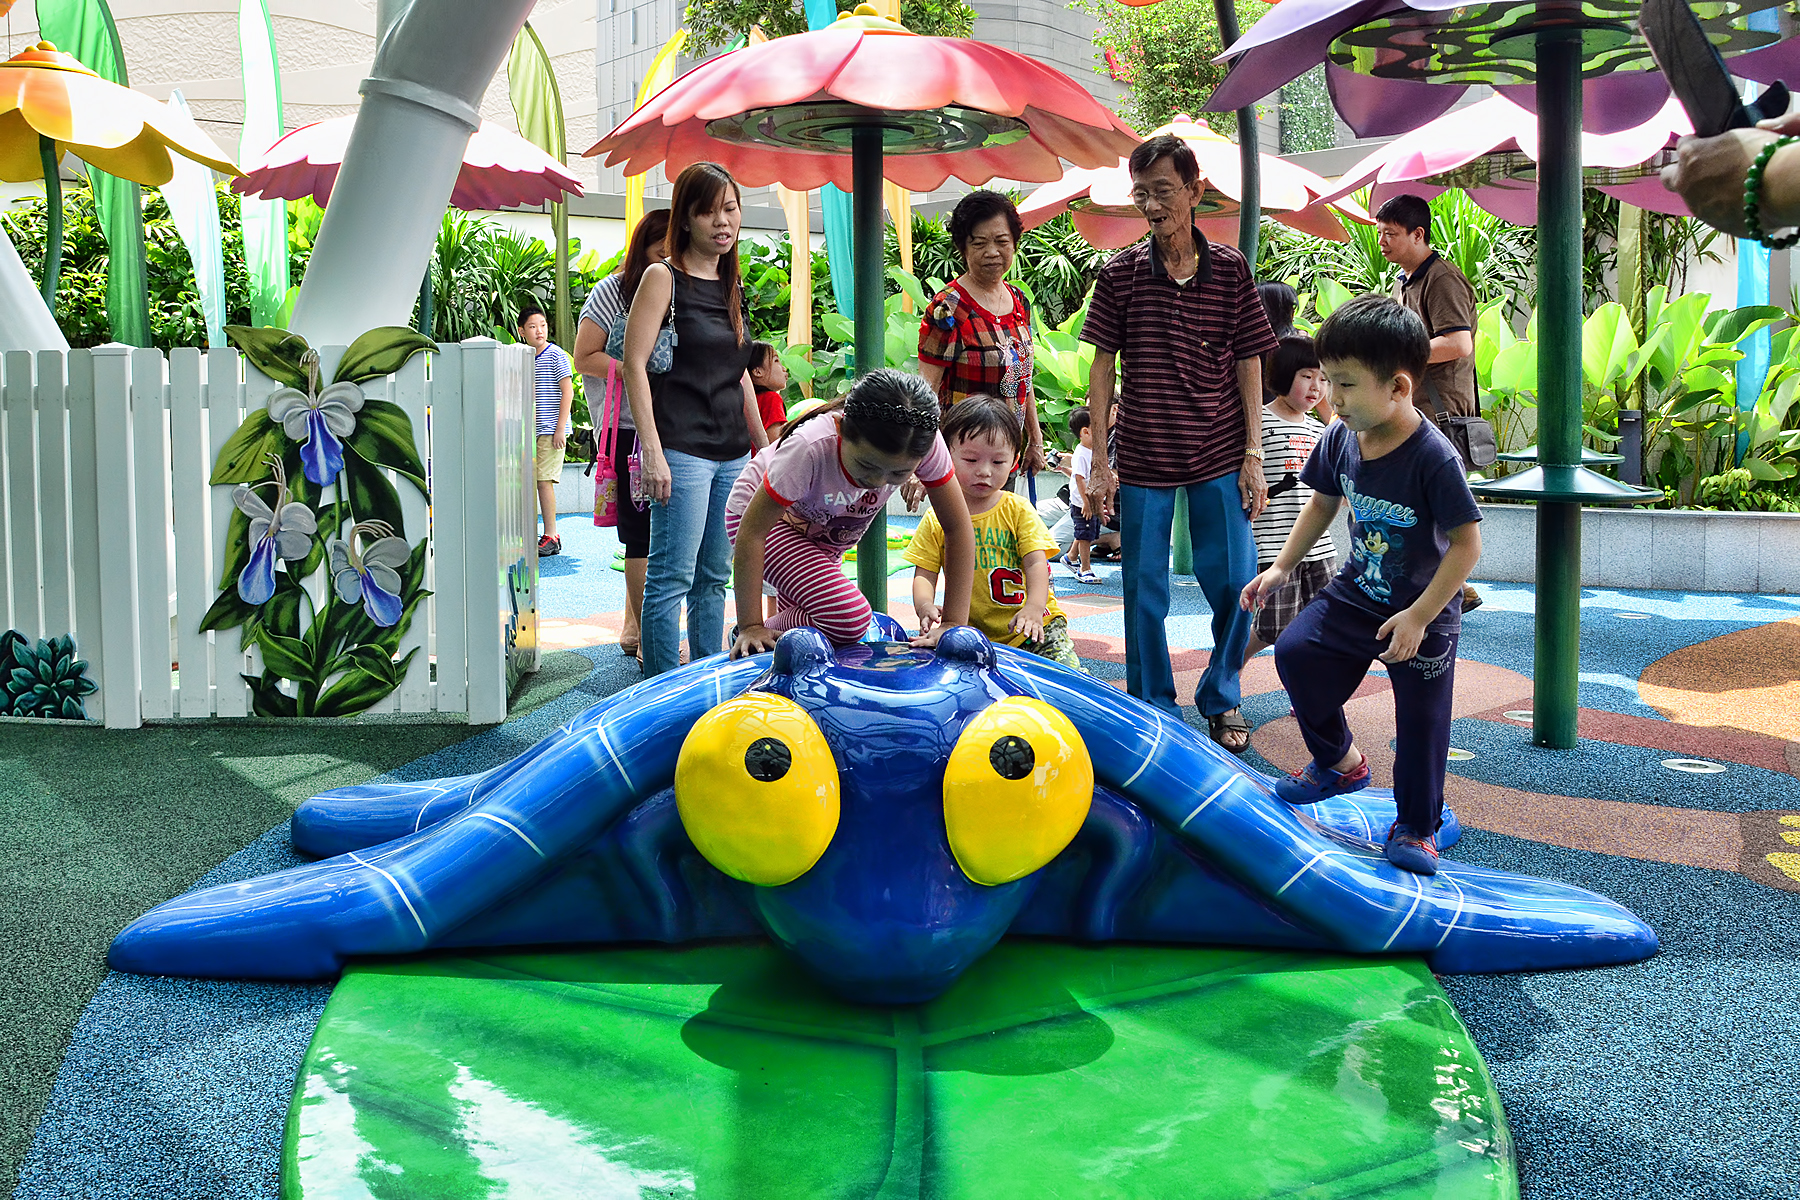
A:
x: 244, y: 456
x: 372, y: 497
x: 237, y: 550
x: 384, y: 436
x: 371, y: 678
x: 274, y: 352
x: 266, y: 697
x: 285, y: 656
x: 381, y: 351
x: 229, y: 611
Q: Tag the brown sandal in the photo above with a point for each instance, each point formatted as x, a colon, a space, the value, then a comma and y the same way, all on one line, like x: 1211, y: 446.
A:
x: 1227, y: 728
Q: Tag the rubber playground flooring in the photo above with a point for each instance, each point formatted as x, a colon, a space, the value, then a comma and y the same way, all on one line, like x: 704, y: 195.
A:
x: 1673, y: 1077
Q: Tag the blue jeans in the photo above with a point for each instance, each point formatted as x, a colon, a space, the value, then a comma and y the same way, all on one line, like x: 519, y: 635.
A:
x: 1224, y: 561
x: 690, y: 558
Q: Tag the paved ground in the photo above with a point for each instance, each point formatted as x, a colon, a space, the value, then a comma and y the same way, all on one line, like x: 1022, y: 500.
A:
x: 1674, y: 1077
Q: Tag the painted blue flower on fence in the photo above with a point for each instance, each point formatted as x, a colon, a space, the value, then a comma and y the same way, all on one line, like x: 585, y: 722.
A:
x: 318, y: 420
x: 285, y: 530
x: 371, y: 575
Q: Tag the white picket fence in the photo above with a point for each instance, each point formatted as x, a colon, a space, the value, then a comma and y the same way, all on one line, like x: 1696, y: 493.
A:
x: 113, y: 534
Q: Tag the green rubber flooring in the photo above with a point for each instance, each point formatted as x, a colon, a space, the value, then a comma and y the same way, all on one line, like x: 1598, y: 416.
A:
x: 1049, y: 1070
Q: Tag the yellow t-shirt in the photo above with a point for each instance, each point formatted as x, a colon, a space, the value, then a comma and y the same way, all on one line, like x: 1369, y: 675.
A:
x: 1004, y: 535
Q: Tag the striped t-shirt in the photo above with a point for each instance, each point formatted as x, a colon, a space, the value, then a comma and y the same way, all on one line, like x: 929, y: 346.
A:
x: 553, y: 366
x: 1286, y: 446
x: 1180, y: 418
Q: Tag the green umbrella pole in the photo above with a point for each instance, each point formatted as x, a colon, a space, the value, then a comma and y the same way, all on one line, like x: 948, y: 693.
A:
x: 1250, y: 211
x: 870, y: 257
x: 53, y: 221
x: 1558, y: 651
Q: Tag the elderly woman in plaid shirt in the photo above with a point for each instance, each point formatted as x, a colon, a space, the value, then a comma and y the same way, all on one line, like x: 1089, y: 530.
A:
x: 975, y: 337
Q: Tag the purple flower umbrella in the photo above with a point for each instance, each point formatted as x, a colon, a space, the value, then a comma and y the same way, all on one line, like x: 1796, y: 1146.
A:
x: 1490, y: 150
x: 1393, y: 65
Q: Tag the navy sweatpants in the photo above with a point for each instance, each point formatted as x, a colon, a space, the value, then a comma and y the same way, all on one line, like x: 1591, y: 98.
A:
x: 1322, y: 657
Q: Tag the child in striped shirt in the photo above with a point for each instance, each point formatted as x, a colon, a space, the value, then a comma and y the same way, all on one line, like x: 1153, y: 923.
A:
x: 1289, y: 433
x: 555, y: 377
x: 807, y: 499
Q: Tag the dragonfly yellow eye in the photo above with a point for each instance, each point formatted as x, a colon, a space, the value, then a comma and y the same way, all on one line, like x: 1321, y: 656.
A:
x: 757, y: 789
x: 1016, y: 790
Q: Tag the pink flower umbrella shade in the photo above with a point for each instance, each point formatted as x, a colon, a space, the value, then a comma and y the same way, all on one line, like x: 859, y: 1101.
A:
x: 500, y: 169
x: 778, y: 112
x: 1490, y: 149
x: 1100, y: 200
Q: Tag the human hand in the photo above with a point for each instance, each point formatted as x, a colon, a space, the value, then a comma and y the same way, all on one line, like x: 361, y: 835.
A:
x: 658, y: 482
x: 754, y: 639
x: 1101, y: 485
x: 929, y: 637
x: 1033, y: 460
x: 1408, y: 631
x: 559, y: 439
x: 1709, y: 174
x: 928, y: 614
x: 1253, y: 489
x: 912, y: 491
x: 1028, y: 624
x: 1260, y: 589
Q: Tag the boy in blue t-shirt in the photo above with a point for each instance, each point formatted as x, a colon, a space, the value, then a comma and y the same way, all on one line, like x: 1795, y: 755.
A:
x: 1414, y: 539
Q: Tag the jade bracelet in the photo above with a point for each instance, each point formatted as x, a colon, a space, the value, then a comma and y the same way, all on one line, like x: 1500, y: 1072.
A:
x: 1753, y: 197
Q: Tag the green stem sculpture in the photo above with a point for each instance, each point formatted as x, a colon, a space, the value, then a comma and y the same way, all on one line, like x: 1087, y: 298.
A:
x: 871, y: 328
x: 1556, y: 665
x: 53, y: 221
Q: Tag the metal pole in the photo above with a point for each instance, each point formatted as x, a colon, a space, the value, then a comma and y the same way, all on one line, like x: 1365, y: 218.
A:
x: 1250, y: 214
x: 870, y: 260
x: 1556, y: 665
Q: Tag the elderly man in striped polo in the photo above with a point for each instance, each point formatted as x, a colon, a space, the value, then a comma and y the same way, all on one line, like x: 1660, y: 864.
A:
x: 1184, y: 315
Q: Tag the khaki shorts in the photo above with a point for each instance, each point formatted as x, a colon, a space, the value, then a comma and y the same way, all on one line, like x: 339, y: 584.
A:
x: 549, y: 459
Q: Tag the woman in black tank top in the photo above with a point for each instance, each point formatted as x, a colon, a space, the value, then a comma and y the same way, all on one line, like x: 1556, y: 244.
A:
x: 697, y: 423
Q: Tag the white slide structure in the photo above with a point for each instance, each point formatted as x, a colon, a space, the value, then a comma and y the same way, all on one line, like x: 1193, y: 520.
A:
x: 421, y: 102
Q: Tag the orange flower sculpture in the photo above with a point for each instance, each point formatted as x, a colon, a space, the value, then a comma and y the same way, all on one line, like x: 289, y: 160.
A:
x: 776, y: 112
x: 45, y: 93
x: 51, y: 105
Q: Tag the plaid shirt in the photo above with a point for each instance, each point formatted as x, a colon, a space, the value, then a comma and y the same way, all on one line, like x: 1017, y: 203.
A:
x: 978, y: 351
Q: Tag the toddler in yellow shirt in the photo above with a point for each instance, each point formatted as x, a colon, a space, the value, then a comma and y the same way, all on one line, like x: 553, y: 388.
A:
x: 1012, y: 601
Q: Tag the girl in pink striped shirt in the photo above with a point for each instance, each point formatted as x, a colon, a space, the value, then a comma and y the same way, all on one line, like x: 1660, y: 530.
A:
x: 804, y: 501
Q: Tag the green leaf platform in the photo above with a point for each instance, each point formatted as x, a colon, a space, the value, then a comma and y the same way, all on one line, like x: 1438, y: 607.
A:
x: 1049, y: 1070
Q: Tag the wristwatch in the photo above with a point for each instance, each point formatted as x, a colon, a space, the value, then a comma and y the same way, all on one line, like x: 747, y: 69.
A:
x: 1254, y: 452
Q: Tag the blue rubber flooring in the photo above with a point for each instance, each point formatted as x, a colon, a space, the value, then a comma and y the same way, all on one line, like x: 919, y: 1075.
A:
x: 1670, y: 1078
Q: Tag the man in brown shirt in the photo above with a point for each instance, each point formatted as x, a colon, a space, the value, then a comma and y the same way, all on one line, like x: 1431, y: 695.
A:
x: 1443, y: 299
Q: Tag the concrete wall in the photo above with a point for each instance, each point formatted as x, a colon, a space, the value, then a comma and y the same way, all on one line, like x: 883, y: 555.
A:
x: 1653, y: 548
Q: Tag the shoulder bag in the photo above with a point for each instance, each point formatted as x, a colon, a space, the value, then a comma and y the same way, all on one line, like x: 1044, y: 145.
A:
x: 1473, y: 437
x: 662, y: 355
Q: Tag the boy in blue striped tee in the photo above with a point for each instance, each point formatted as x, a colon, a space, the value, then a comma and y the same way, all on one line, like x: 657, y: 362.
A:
x: 555, y: 399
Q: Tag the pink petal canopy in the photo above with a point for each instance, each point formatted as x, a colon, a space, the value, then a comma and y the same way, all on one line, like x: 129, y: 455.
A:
x: 1290, y: 194
x: 1294, y: 37
x: 500, y: 169
x: 886, y: 69
x: 1497, y: 125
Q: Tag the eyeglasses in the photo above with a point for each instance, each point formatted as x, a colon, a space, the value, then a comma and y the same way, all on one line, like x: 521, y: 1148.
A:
x: 1163, y: 196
